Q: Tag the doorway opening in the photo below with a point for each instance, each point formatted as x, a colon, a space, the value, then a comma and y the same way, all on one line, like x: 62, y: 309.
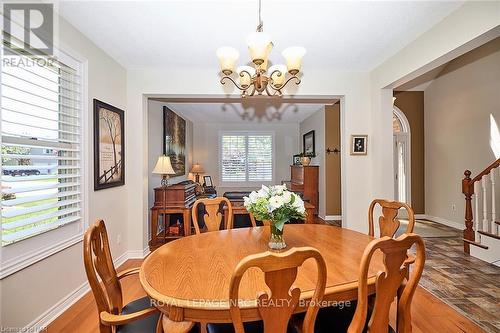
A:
x: 402, y: 156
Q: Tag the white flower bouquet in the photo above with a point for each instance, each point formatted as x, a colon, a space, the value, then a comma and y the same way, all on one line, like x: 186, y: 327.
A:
x: 277, y: 205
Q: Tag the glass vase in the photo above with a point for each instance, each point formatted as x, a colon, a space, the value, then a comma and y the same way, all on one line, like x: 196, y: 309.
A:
x: 276, y: 241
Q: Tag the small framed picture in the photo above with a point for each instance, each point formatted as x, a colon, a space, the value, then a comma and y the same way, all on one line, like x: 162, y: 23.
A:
x: 208, y: 181
x: 359, y: 144
x: 309, y: 144
x: 296, y: 159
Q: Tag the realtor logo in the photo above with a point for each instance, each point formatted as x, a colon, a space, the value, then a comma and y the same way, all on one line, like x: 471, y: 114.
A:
x: 28, y: 28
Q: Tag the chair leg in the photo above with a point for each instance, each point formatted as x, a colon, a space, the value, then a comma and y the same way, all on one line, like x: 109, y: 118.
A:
x: 203, y: 327
x: 166, y: 325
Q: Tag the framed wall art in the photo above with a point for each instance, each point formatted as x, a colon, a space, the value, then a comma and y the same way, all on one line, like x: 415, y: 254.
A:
x: 109, y: 146
x: 359, y: 144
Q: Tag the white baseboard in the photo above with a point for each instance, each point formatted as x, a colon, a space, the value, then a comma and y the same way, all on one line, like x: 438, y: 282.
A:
x: 40, y: 323
x: 332, y: 217
x: 440, y: 220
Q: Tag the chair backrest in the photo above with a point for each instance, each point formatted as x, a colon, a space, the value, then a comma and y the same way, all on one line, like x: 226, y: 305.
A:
x: 213, y: 215
x: 280, y: 272
x: 388, y: 222
x: 252, y: 220
x: 98, y: 263
x: 389, y: 283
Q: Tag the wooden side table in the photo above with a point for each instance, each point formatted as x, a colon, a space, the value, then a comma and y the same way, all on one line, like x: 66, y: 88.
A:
x: 158, y: 239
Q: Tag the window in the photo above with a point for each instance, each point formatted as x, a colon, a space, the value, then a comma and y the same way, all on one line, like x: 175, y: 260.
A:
x: 246, y: 157
x: 41, y: 139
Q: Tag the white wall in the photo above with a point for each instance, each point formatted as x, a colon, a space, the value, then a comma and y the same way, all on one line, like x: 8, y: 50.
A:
x: 459, y: 105
x: 206, y: 148
x: 29, y: 293
x: 316, y: 122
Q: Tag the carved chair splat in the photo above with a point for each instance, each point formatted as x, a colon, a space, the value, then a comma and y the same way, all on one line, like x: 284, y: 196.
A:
x: 388, y: 222
x: 280, y: 272
x: 213, y: 216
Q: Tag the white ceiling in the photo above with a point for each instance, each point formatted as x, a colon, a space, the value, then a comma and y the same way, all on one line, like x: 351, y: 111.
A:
x: 341, y: 35
x: 250, y: 111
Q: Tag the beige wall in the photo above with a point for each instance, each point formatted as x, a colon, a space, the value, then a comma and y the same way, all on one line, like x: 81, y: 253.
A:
x: 31, y: 292
x: 411, y: 103
x: 332, y: 161
x: 206, y: 148
x: 316, y: 122
x: 458, y: 107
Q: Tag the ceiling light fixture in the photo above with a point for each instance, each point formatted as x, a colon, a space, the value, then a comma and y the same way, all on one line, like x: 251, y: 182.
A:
x: 258, y: 79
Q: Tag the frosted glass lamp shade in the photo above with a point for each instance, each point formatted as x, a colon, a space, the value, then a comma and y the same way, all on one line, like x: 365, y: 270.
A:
x: 164, y: 166
x: 277, y: 73
x: 245, y: 74
x: 259, y: 46
x: 293, y: 57
x: 227, y: 59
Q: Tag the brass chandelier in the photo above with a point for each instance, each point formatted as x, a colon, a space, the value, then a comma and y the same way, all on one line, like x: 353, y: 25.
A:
x: 259, y: 79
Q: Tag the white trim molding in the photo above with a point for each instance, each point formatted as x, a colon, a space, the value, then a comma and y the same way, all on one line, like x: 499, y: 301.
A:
x: 40, y: 323
x: 440, y: 220
x: 332, y: 217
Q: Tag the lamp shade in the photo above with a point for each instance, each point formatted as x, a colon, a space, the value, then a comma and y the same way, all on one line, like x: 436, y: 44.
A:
x: 197, y: 168
x: 163, y: 166
x: 227, y: 59
x: 259, y: 46
x: 293, y: 57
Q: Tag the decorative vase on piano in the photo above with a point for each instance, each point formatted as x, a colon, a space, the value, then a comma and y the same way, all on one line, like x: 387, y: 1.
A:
x: 278, y: 206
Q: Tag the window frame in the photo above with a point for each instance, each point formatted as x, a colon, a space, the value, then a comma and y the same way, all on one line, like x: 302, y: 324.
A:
x: 247, y: 183
x: 19, y: 255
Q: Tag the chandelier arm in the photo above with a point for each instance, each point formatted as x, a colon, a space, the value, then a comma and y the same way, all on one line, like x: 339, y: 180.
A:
x: 234, y: 82
x: 247, y: 73
x: 287, y: 81
x: 268, y: 92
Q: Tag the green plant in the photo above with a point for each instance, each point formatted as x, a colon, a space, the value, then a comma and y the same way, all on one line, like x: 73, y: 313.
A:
x: 275, y: 204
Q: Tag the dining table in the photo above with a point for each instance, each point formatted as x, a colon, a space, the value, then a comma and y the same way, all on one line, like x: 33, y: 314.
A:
x: 188, y: 279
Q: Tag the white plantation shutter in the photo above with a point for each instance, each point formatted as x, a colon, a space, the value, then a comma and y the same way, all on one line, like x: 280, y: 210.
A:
x: 233, y: 158
x: 260, y: 157
x: 41, y: 180
x: 246, y: 157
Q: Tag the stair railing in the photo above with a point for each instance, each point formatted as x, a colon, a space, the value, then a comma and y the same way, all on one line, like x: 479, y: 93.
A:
x: 474, y: 189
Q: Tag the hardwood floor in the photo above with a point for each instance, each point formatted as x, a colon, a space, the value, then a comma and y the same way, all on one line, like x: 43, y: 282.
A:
x: 429, y: 313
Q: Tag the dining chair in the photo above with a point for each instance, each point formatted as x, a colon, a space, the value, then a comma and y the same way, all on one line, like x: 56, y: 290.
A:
x: 280, y: 272
x: 213, y: 214
x: 390, y: 282
x: 388, y: 222
x: 137, y: 316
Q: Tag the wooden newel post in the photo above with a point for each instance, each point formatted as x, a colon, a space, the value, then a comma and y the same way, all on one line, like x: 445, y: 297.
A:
x: 468, y: 191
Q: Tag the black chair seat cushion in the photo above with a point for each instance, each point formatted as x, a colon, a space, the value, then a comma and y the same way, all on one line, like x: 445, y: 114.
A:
x: 250, y: 327
x: 145, y: 325
x: 338, y: 319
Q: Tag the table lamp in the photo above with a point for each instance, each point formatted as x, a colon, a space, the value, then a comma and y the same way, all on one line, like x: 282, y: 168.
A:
x: 164, y: 167
x: 197, y: 169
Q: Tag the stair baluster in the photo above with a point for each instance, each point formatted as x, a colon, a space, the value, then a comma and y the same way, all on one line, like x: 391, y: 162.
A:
x: 474, y: 225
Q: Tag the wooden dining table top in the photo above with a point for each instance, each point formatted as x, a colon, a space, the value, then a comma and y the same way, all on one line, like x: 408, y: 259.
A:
x: 192, y: 274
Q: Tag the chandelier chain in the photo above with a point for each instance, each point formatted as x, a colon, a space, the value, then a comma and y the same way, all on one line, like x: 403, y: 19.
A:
x: 260, y: 26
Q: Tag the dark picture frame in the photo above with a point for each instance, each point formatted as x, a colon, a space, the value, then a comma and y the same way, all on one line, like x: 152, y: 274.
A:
x: 109, y: 146
x: 309, y: 144
x: 296, y: 159
x: 174, y: 140
x: 359, y: 144
x: 207, y: 181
